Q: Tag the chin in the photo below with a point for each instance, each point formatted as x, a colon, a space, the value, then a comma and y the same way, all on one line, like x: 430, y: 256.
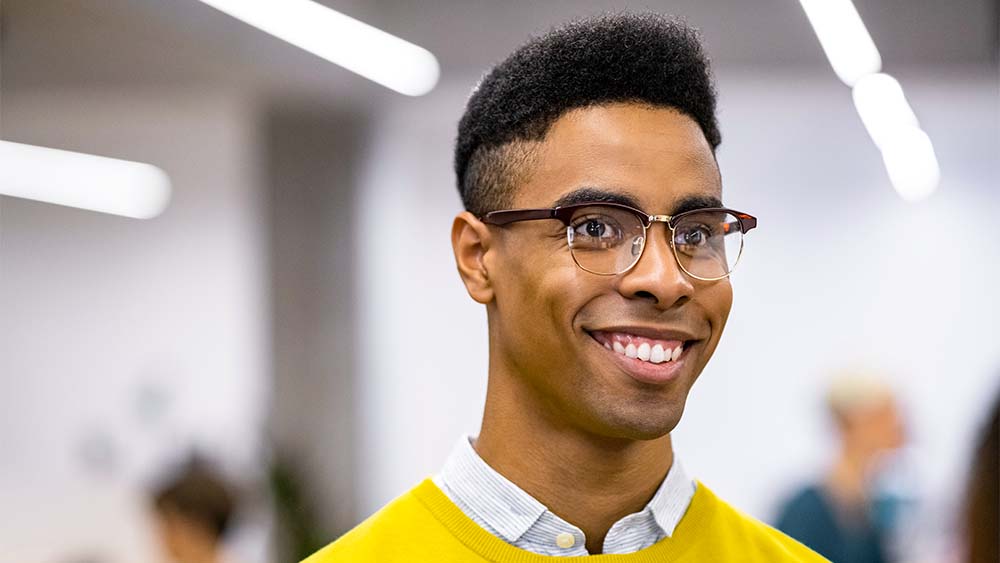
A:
x: 638, y: 422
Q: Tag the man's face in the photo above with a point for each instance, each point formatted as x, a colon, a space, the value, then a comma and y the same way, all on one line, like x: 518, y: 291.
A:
x: 552, y: 323
x: 876, y: 428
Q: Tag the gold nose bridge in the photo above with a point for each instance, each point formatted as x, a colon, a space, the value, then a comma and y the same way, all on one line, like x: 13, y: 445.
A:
x: 644, y: 240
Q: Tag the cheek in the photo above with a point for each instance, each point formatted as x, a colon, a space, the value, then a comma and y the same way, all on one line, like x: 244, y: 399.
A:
x: 717, y: 300
x: 537, y: 293
x: 532, y: 275
x: 538, y: 296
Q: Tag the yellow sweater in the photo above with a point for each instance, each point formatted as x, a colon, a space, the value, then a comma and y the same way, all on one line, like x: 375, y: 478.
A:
x: 424, y: 525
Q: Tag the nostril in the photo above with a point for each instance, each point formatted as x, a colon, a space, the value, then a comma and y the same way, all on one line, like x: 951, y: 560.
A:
x: 646, y: 295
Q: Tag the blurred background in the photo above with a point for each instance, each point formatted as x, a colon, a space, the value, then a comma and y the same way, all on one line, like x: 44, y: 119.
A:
x: 293, y: 319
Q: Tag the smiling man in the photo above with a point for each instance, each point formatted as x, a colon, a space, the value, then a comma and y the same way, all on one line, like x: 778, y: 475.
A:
x: 595, y: 235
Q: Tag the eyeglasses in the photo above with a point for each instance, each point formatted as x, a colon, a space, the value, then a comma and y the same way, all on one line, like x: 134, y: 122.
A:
x: 607, y: 239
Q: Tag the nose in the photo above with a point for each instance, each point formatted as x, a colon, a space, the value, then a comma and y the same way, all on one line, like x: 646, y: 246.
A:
x: 657, y: 277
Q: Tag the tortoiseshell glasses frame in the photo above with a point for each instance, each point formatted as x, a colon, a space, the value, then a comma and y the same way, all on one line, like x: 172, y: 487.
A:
x: 608, y: 238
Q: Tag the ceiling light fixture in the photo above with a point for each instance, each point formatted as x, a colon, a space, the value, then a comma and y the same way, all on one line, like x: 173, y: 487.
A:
x: 882, y: 106
x: 844, y: 38
x: 97, y: 183
x: 907, y: 151
x: 360, y: 48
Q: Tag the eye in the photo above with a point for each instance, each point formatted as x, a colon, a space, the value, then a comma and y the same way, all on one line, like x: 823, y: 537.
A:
x: 602, y: 227
x: 596, y: 227
x: 693, y: 236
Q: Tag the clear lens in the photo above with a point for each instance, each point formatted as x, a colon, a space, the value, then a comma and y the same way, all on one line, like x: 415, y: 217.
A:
x: 608, y: 241
x: 605, y: 240
x: 708, y: 244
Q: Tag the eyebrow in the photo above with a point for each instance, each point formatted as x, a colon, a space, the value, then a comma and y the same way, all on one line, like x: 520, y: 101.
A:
x: 595, y: 195
x: 691, y: 203
x: 599, y: 195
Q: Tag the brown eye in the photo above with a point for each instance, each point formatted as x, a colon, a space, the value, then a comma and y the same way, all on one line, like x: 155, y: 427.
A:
x: 696, y: 236
x: 596, y: 228
x: 605, y: 239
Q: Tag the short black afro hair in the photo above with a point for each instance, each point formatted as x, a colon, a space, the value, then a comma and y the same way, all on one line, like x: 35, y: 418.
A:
x: 641, y: 58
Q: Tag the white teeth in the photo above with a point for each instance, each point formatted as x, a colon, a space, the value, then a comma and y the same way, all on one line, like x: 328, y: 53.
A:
x: 656, y: 355
x: 642, y: 352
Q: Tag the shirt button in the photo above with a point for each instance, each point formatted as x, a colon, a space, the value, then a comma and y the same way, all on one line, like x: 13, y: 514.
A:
x: 565, y: 540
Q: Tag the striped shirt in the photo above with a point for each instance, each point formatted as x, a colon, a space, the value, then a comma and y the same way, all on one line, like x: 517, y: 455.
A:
x: 506, y: 511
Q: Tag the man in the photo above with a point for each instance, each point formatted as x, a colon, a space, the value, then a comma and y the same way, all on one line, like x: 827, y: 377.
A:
x: 845, y: 517
x: 595, y: 236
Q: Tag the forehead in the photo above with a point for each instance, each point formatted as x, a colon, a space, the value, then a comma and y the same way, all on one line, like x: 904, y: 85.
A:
x: 656, y: 156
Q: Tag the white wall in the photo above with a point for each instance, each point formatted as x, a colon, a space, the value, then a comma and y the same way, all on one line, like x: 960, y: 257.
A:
x: 422, y: 353
x: 313, y: 153
x: 127, y: 342
x: 840, y: 271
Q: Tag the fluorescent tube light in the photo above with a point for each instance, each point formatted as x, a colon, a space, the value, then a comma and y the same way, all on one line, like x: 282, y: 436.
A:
x: 97, y: 183
x: 378, y: 56
x: 882, y: 106
x: 912, y: 165
x: 844, y: 38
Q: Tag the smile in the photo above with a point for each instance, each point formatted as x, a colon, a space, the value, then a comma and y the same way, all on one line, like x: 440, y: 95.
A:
x: 645, y: 358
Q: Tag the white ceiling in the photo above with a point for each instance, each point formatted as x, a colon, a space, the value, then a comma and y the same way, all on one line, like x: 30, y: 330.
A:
x: 71, y: 42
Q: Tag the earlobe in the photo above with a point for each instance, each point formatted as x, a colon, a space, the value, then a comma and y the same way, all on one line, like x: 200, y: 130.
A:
x: 470, y: 241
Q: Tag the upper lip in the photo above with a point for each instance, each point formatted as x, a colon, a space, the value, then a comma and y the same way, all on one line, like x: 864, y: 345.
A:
x: 651, y: 332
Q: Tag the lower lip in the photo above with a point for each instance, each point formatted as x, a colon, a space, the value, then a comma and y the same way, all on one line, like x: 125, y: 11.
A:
x: 647, y: 372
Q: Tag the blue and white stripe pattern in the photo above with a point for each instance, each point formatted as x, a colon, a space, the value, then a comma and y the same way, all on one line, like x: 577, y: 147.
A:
x: 503, y: 509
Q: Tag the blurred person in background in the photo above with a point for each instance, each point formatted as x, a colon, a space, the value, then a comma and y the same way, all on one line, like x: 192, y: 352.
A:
x: 194, y: 510
x: 569, y: 154
x: 982, y: 505
x: 844, y: 517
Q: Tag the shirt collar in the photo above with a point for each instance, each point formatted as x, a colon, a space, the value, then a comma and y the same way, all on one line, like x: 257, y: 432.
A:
x: 511, y: 511
x: 496, y: 500
x: 672, y: 499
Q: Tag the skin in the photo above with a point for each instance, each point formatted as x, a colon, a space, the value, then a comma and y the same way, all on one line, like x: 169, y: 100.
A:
x: 562, y: 420
x: 185, y: 540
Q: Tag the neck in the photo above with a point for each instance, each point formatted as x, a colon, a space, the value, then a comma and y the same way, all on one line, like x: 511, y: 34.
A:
x: 198, y: 556
x: 588, y: 480
x: 848, y: 478
x: 200, y: 550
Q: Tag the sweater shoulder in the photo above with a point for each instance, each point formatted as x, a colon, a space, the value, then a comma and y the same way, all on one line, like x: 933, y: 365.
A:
x: 399, y: 531
x: 749, y: 539
x: 370, y: 540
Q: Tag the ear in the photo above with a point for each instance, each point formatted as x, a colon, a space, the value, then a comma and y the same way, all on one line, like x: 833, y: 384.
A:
x: 471, y: 240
